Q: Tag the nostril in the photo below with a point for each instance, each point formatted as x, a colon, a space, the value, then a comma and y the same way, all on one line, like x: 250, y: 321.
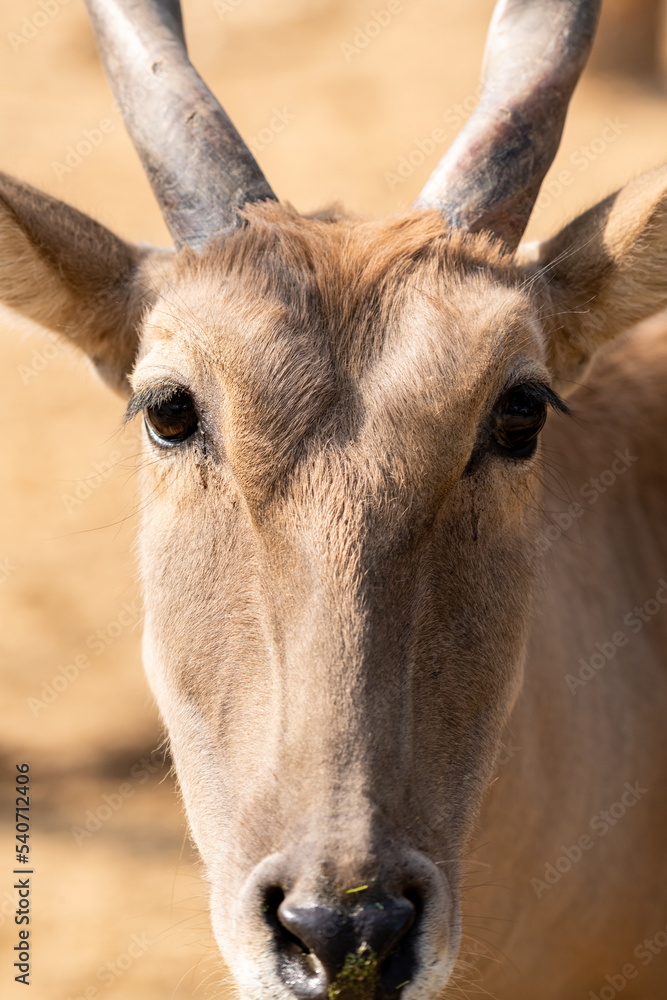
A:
x: 325, y: 951
x: 298, y: 966
x: 415, y: 896
x: 382, y: 925
x: 273, y: 899
x: 401, y: 961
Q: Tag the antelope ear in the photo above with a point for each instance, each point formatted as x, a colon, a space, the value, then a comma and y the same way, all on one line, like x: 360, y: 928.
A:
x: 65, y: 271
x: 602, y: 273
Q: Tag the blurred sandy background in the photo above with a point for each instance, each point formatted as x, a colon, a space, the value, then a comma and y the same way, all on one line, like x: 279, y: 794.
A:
x: 123, y: 910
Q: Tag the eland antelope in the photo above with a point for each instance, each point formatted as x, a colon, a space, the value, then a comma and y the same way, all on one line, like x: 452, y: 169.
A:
x: 413, y: 676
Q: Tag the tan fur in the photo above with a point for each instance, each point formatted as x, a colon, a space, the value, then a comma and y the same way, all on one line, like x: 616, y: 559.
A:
x: 344, y: 617
x: 63, y: 270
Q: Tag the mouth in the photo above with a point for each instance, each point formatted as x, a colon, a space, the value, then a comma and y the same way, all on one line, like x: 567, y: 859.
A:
x: 361, y: 977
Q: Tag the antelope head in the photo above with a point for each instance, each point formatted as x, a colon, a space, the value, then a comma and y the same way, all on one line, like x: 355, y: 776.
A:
x: 342, y: 423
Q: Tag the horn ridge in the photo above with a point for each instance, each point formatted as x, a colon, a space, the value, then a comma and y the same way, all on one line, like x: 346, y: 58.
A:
x: 200, y: 169
x: 490, y: 176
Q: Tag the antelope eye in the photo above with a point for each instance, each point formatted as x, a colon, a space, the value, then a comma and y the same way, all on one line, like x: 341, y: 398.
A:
x: 517, y: 420
x: 172, y: 420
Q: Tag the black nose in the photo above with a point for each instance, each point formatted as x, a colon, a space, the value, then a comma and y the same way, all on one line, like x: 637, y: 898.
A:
x: 345, y: 952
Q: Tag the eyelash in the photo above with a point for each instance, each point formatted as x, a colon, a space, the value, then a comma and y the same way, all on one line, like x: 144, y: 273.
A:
x: 512, y: 429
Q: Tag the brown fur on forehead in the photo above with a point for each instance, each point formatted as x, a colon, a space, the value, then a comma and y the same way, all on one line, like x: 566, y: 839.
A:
x: 350, y: 272
x: 303, y: 304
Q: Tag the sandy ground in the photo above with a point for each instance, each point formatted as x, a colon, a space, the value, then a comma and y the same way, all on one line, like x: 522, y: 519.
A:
x: 122, y: 910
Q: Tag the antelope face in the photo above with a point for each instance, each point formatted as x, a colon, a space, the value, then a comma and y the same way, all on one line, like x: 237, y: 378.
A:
x: 341, y: 448
x: 342, y: 426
